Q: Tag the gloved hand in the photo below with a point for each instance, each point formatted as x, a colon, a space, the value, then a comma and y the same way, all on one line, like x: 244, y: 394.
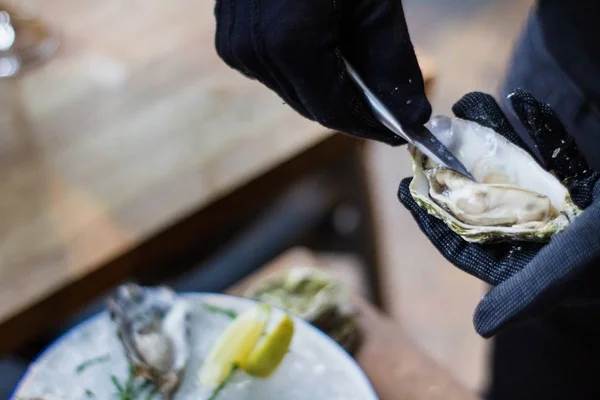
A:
x: 529, y: 279
x: 295, y: 48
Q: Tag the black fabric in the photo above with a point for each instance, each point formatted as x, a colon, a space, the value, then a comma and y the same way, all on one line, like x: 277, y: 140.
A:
x: 528, y: 278
x: 571, y: 30
x: 547, y: 358
x: 537, y: 70
x: 295, y: 48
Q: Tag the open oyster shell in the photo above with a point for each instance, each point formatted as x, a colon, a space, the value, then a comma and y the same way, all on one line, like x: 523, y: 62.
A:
x: 513, y: 198
x: 152, y: 324
x: 315, y: 297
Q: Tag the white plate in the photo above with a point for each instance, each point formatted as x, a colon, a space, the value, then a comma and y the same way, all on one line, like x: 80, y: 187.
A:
x: 316, y: 367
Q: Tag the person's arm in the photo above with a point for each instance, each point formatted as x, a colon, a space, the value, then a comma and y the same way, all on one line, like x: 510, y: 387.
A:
x: 296, y: 47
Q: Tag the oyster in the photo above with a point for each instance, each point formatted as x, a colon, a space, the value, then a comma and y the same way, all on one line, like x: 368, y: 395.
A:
x: 513, y: 198
x: 152, y: 325
x: 315, y: 297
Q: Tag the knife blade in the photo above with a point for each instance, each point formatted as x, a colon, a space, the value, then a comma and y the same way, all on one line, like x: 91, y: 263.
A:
x: 420, y: 136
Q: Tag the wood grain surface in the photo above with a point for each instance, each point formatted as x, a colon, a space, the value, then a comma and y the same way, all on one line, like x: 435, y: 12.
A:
x: 397, y: 368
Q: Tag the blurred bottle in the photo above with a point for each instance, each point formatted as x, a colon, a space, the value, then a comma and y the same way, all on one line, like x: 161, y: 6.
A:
x: 25, y: 40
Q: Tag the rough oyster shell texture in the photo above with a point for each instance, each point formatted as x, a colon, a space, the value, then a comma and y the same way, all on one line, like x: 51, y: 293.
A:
x: 513, y: 198
x: 152, y: 325
x: 314, y: 296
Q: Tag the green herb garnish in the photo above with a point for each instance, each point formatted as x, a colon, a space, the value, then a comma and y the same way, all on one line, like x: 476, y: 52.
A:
x: 130, y: 391
x: 117, y: 384
x: 219, y: 310
x: 81, y: 367
x: 222, y: 385
x: 129, y: 386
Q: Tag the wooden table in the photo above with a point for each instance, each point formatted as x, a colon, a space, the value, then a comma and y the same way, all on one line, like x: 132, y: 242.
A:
x: 135, y: 129
x: 398, y: 369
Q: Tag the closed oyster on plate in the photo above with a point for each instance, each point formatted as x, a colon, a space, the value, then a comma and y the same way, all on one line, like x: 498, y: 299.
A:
x: 314, y: 296
x: 512, y: 198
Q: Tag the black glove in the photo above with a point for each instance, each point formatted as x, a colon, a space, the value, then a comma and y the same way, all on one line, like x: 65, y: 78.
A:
x: 295, y: 48
x: 529, y: 279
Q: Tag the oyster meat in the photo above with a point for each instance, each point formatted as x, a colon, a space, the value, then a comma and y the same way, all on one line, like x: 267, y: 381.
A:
x: 512, y: 197
x: 152, y: 324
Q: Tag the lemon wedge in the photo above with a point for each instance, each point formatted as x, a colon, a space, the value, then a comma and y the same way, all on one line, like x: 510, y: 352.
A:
x: 270, y: 351
x: 234, y: 345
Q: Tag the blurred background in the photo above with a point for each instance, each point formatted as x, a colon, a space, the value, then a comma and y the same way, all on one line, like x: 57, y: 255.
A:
x: 128, y: 150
